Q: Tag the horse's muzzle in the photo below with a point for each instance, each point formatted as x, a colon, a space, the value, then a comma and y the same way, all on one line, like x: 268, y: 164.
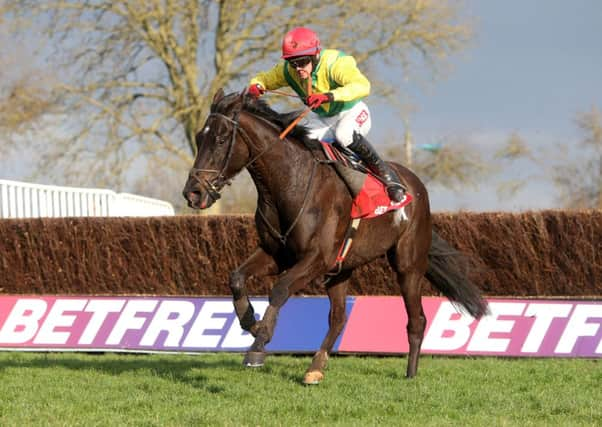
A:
x: 202, y: 193
x: 198, y: 199
x: 193, y: 194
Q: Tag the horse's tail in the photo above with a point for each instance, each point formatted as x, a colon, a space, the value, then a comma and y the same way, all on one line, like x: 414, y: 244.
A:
x: 447, y: 271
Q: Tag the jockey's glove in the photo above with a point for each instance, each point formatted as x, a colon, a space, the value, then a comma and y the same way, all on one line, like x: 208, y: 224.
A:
x: 256, y: 90
x: 314, y: 100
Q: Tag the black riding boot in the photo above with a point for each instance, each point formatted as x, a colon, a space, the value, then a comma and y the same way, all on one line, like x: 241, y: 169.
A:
x: 368, y: 154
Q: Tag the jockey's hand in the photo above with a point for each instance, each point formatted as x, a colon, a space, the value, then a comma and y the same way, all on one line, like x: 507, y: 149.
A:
x: 256, y: 90
x: 314, y: 100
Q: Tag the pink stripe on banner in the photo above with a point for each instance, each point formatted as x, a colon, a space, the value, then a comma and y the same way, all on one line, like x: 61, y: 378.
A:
x: 378, y: 325
x: 514, y: 328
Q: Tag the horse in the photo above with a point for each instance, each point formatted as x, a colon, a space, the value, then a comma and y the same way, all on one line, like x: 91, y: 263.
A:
x: 302, y: 217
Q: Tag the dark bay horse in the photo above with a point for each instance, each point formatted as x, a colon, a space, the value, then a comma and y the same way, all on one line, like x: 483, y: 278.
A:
x: 303, y: 212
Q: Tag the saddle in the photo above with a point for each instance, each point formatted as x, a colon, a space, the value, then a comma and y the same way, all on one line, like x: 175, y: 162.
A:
x: 369, y: 193
x: 370, y: 198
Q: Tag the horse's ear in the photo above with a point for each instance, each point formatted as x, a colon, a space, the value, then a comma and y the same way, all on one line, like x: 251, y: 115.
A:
x: 218, y: 96
x: 240, y: 102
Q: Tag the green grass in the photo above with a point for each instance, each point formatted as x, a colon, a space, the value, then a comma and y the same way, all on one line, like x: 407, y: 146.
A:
x: 210, y: 389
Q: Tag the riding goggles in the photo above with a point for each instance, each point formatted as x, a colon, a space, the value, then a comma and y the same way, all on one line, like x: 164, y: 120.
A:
x: 299, y: 61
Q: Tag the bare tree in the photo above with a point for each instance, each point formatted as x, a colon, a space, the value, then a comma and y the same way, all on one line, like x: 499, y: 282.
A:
x: 23, y: 98
x: 577, y: 174
x: 135, y: 77
x: 453, y: 165
x: 580, y: 180
x: 517, y: 149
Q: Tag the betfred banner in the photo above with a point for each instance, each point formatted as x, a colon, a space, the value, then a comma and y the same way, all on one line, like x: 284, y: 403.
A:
x: 513, y: 328
x: 542, y: 328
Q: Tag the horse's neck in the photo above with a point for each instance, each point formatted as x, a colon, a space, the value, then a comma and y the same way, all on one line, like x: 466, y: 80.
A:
x: 282, y: 168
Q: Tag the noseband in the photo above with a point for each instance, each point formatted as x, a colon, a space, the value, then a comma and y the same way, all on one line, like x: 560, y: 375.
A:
x: 215, y: 185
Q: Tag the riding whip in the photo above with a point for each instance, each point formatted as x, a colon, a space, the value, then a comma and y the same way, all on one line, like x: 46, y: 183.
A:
x: 294, y: 123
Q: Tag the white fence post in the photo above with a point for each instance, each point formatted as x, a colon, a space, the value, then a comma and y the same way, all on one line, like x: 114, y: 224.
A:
x: 132, y: 205
x: 24, y: 200
x: 4, y: 201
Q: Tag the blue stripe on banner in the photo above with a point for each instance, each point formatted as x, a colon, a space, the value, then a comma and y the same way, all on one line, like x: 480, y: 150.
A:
x: 303, y: 324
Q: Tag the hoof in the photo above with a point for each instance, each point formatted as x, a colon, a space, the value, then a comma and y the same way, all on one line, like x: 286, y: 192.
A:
x: 313, y: 377
x: 254, y: 359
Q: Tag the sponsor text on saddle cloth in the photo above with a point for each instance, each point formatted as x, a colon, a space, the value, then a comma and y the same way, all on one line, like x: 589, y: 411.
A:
x: 370, y: 194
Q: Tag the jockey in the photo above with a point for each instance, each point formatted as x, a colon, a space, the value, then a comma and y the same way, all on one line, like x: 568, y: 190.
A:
x: 330, y: 83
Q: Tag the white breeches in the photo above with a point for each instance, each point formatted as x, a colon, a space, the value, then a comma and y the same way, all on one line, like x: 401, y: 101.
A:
x: 340, y: 126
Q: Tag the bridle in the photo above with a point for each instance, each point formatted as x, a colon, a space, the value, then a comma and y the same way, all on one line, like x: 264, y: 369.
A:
x: 214, y: 186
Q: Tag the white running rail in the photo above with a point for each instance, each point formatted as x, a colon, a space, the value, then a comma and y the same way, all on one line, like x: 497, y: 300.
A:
x: 24, y: 200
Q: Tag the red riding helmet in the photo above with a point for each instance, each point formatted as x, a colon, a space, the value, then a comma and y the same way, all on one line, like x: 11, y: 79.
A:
x: 300, y: 41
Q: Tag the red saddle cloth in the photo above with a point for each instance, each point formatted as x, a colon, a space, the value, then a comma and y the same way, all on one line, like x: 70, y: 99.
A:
x: 373, y: 201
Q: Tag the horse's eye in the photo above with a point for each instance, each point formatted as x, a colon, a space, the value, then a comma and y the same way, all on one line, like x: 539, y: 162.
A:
x: 220, y: 139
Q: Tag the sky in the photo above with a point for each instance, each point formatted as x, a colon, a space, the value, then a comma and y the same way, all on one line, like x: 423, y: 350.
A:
x: 532, y: 66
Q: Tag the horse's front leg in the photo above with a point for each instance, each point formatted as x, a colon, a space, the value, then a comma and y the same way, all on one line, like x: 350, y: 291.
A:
x: 259, y: 264
x: 297, y: 277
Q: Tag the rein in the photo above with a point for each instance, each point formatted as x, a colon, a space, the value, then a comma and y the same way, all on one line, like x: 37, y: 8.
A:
x: 214, y: 186
x: 279, y: 92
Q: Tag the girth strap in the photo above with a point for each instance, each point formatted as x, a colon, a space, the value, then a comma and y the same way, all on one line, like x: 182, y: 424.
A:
x: 345, y: 247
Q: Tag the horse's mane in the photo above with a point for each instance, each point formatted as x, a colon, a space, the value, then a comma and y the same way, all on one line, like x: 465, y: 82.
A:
x: 260, y: 108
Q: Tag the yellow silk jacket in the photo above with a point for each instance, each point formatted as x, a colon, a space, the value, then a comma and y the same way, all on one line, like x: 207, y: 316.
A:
x: 335, y: 72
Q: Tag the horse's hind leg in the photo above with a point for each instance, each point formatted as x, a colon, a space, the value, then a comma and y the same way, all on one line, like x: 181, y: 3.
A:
x: 259, y: 264
x: 337, y: 292
x: 409, y: 283
x: 410, y: 261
